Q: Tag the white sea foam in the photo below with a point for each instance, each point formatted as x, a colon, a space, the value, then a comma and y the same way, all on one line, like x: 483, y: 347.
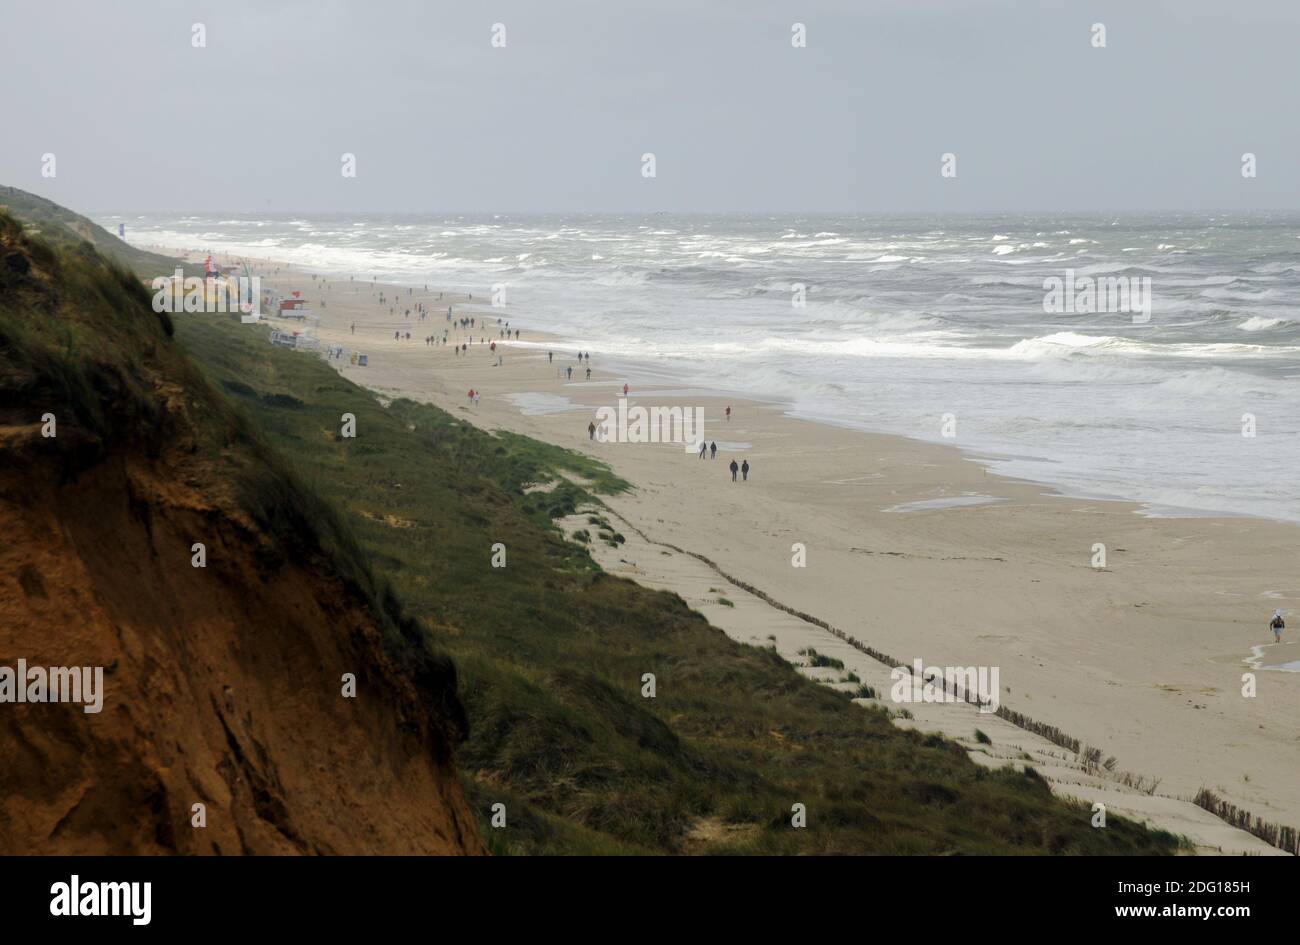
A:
x: 1258, y: 323
x: 903, y: 322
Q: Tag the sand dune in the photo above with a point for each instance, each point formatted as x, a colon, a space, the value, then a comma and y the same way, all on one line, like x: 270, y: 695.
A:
x: 920, y: 552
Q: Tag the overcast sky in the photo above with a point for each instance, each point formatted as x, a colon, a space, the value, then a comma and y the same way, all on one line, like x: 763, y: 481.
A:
x: 737, y: 118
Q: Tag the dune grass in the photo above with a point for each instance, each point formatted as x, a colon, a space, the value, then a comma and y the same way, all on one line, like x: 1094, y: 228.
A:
x: 65, y: 229
x: 79, y: 341
x: 552, y: 653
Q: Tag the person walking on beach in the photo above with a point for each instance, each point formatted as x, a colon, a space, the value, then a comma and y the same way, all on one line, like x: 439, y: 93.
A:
x: 550, y: 356
x: 1277, y: 625
x: 744, y: 470
x: 713, y: 450
x: 728, y: 412
x: 704, y: 448
x: 591, y: 430
x: 624, y: 390
x: 569, y: 372
x: 734, y: 468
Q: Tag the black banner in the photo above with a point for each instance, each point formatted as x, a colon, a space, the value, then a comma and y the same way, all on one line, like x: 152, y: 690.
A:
x: 147, y: 895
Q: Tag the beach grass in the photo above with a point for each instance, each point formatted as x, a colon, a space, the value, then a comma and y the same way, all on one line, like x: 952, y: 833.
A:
x: 549, y: 655
x: 552, y: 656
x: 63, y: 228
x: 79, y: 341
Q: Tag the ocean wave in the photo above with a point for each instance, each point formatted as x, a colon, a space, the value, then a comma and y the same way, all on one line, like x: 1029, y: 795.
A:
x: 1259, y: 323
x: 1068, y: 343
x: 1238, y: 295
x: 902, y: 320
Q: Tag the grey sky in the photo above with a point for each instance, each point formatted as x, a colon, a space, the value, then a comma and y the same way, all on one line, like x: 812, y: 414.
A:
x: 738, y: 119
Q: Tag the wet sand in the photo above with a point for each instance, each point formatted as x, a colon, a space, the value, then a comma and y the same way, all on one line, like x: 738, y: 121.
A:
x: 917, y: 550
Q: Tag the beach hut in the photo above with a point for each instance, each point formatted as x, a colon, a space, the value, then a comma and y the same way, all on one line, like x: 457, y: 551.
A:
x: 295, y: 308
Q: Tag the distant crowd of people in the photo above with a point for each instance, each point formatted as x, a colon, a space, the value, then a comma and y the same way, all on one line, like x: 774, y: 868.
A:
x: 469, y: 323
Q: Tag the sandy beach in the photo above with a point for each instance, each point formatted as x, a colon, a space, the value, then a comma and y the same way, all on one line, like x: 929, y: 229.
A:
x: 916, y: 550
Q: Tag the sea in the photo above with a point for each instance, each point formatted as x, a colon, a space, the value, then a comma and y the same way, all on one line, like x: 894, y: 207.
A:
x: 1175, y: 384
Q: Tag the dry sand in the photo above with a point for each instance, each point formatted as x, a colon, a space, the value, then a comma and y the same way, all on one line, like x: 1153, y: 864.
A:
x: 1142, y: 659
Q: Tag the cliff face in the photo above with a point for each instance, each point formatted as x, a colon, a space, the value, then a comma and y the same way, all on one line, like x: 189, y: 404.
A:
x: 223, y: 685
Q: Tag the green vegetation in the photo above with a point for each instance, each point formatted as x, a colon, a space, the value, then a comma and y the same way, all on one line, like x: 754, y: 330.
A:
x: 79, y: 339
x: 63, y: 229
x: 817, y: 659
x: 550, y: 651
